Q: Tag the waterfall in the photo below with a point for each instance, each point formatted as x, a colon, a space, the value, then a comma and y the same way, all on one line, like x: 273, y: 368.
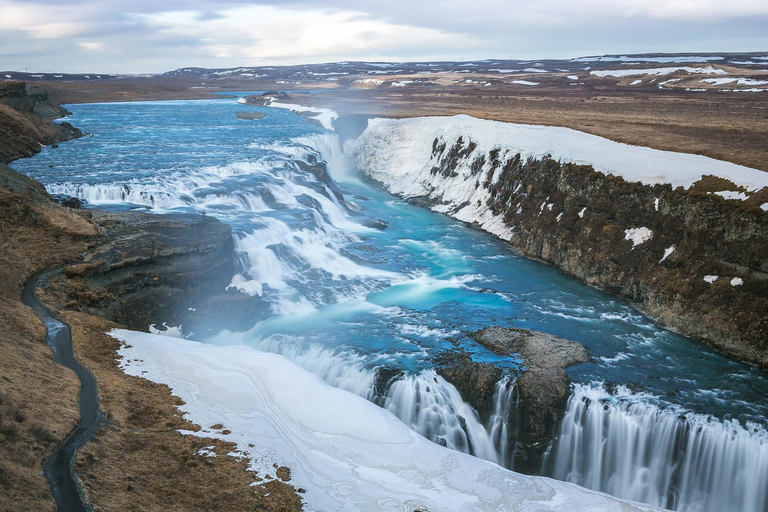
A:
x: 505, y: 402
x: 627, y: 446
x: 434, y: 408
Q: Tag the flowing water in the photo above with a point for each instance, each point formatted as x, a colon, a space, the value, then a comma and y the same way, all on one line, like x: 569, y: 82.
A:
x: 366, y: 308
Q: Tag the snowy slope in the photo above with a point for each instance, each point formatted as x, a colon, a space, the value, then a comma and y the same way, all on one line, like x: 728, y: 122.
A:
x: 396, y: 151
x: 346, y: 452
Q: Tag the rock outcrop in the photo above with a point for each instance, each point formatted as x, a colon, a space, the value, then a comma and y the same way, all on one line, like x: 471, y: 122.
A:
x: 26, y: 121
x: 540, y: 392
x: 150, y: 269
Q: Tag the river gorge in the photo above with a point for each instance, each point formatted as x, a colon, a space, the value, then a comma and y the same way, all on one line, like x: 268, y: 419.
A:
x: 365, y: 290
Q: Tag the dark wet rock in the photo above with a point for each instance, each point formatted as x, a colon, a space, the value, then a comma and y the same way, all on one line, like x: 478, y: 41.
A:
x: 475, y: 381
x: 385, y: 376
x: 269, y: 199
x: 543, y: 387
x: 539, y: 395
x: 376, y: 224
x: 68, y: 201
x: 250, y: 116
x: 538, y: 349
x: 151, y: 269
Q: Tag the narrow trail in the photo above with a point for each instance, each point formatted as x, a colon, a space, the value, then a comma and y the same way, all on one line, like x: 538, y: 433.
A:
x: 60, y: 467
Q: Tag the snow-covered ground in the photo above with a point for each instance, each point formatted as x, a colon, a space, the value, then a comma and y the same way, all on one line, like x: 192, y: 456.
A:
x: 324, y: 116
x: 677, y: 59
x: 347, y: 453
x: 399, y: 154
x: 708, y: 70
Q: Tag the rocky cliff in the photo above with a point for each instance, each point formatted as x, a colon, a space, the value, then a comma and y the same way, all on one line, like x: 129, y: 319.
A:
x: 693, y: 259
x: 26, y: 115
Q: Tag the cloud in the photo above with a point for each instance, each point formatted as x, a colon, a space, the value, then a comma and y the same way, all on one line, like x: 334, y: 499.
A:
x: 696, y: 10
x: 265, y: 33
x: 147, y: 36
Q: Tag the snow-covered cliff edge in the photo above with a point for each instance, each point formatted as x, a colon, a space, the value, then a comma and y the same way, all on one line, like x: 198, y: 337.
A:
x: 684, y: 235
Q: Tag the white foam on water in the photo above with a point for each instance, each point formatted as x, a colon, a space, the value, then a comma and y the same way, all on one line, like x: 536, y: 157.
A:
x: 344, y: 451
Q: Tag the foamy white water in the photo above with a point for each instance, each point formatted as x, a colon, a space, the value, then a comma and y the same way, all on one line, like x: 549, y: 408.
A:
x: 625, y: 445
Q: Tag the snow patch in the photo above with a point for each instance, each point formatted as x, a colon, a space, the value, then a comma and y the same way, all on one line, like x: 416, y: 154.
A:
x: 709, y: 70
x: 638, y: 235
x: 324, y: 116
x: 171, y: 331
x: 667, y: 252
x: 581, y: 213
x: 737, y: 281
x: 523, y: 82
x: 710, y: 279
x: 730, y: 194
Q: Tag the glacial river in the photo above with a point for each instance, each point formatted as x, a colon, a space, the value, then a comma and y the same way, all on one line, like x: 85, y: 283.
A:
x: 347, y: 298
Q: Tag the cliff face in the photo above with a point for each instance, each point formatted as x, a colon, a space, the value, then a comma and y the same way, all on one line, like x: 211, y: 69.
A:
x: 694, y: 260
x: 26, y: 121
x: 150, y: 269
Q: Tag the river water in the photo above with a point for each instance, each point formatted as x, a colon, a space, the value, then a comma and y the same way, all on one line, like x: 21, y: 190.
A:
x: 366, y: 308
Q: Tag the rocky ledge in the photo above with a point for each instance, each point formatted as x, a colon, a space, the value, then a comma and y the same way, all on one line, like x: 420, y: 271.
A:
x: 25, y: 121
x: 541, y: 390
x: 149, y: 269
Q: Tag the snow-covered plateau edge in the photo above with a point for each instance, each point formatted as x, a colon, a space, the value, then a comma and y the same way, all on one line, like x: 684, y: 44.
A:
x: 396, y: 151
x: 347, y: 453
x: 324, y: 116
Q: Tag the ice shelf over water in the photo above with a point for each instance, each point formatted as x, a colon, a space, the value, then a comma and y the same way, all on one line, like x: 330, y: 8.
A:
x: 399, y: 151
x: 347, y: 453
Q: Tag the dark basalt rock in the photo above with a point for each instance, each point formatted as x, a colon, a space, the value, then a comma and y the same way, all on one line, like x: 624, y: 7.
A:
x: 540, y: 392
x: 475, y: 381
x: 152, y: 269
x: 379, y: 224
x: 68, y: 201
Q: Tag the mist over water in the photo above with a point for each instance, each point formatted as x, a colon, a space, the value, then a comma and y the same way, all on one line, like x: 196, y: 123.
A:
x: 367, y: 308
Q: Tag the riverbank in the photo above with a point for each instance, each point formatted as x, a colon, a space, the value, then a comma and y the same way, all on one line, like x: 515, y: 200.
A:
x: 139, y: 460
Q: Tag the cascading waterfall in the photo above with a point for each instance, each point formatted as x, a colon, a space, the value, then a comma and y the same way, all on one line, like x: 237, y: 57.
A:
x: 626, y: 446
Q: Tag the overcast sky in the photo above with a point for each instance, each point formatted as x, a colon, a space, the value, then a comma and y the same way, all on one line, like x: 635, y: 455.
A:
x: 144, y: 36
